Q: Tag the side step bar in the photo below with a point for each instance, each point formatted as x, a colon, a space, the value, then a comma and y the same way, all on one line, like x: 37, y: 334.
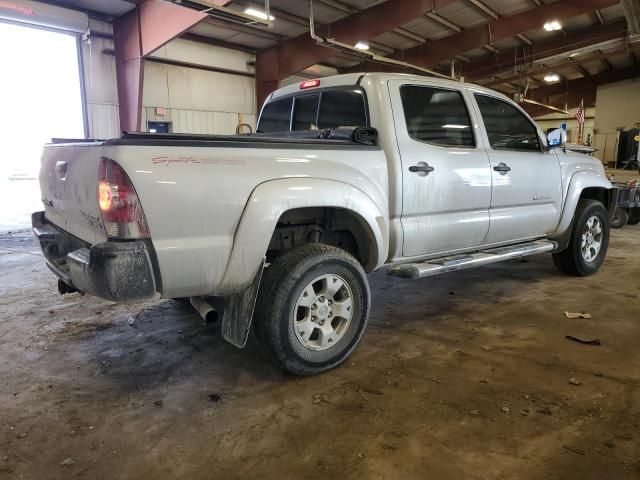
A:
x: 437, y: 266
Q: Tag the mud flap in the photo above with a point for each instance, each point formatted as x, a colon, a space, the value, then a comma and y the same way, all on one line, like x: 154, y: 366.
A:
x: 238, y: 312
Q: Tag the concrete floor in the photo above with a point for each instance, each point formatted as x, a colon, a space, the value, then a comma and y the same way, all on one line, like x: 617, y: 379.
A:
x: 467, y: 375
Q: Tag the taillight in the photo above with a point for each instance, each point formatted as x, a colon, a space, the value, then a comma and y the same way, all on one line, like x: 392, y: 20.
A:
x: 122, y: 214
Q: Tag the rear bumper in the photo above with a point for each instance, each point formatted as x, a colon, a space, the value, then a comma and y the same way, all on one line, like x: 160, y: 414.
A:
x: 116, y: 271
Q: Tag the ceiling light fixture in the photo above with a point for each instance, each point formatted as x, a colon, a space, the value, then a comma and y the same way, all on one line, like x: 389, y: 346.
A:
x: 362, y: 45
x: 258, y: 14
x: 551, y: 77
x: 552, y: 26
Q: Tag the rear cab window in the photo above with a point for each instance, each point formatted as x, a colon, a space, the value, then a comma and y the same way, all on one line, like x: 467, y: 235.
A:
x: 305, y: 112
x: 329, y: 108
x: 276, y: 116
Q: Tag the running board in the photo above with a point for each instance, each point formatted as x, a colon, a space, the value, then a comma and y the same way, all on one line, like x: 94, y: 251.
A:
x: 437, y: 266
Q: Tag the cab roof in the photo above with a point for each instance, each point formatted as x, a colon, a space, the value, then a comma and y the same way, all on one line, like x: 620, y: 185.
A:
x: 359, y: 78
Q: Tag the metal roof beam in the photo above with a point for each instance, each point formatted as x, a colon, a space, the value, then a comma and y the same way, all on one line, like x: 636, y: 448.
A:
x: 483, y: 8
x: 581, y: 70
x: 443, y: 21
x: 524, y: 38
x: 296, y: 54
x: 512, y: 58
x: 503, y: 27
x: 581, y: 84
x: 632, y: 12
x: 342, y: 7
x: 607, y: 63
x: 543, y: 68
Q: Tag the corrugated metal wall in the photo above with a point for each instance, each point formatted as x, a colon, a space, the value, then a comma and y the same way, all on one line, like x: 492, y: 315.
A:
x: 194, y: 100
x: 200, y: 101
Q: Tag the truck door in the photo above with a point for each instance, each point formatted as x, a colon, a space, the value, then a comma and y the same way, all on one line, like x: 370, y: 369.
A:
x: 527, y: 195
x: 446, y: 178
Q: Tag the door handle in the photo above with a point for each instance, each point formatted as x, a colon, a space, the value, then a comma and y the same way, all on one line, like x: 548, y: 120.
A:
x: 503, y: 168
x: 422, y: 169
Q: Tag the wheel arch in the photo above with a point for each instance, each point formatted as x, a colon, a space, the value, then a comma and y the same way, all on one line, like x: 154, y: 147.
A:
x: 276, y: 200
x: 583, y: 185
x: 337, y: 226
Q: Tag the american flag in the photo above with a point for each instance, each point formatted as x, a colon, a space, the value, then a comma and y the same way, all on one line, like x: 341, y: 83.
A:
x: 580, y: 113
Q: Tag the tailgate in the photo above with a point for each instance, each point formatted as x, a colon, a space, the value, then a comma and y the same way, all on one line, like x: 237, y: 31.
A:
x: 69, y: 186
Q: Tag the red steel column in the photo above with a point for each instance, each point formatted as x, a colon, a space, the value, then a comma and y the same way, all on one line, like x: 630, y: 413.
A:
x: 138, y: 33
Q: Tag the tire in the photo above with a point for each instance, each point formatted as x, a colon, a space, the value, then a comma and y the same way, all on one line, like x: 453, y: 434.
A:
x: 620, y: 218
x: 634, y: 216
x: 294, y: 317
x: 573, y: 261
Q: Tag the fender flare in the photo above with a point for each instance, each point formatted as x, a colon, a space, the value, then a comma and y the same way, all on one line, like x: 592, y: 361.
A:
x: 271, y: 199
x: 577, y: 184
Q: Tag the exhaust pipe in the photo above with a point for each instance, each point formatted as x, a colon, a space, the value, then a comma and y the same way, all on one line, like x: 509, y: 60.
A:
x: 206, y: 311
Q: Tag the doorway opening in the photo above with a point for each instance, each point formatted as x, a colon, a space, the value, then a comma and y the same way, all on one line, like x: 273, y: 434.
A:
x: 40, y: 98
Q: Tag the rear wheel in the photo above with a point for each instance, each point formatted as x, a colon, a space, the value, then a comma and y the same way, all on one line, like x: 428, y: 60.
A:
x: 312, y: 308
x: 620, y: 218
x: 634, y: 216
x: 589, y: 240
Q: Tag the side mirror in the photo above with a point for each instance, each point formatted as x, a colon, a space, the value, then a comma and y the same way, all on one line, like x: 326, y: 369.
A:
x: 556, y: 137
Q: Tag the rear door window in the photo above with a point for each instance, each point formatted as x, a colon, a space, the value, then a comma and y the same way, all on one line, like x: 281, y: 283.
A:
x: 276, y: 116
x: 342, y: 108
x: 436, y: 115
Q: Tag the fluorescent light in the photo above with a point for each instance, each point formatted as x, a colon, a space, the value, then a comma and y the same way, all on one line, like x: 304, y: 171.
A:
x: 362, y: 45
x: 551, y: 77
x: 459, y: 127
x: 258, y: 14
x: 552, y: 25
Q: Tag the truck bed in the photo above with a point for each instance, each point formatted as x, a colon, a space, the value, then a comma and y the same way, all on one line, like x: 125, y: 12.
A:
x: 328, y: 138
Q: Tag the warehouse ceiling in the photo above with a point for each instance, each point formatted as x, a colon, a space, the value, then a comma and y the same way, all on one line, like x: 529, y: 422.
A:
x: 502, y: 44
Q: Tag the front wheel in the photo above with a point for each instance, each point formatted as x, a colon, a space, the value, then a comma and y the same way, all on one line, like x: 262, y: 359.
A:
x: 312, y: 308
x: 589, y: 240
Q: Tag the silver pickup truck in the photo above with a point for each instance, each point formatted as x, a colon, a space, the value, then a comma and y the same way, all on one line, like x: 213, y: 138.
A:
x: 346, y: 175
